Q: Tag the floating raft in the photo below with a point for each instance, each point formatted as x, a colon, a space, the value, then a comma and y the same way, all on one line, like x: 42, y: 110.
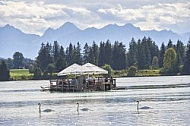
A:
x: 81, y: 84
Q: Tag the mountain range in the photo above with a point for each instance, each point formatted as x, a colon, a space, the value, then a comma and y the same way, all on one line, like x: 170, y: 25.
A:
x: 12, y: 39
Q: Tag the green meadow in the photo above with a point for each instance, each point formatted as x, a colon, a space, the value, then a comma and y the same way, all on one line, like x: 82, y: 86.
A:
x: 20, y: 74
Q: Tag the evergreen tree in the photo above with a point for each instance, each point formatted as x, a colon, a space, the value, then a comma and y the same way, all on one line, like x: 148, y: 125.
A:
x: 63, y: 57
x: 45, y: 56
x: 95, y: 51
x: 93, y: 54
x: 140, y: 56
x: 91, y: 58
x: 86, y: 52
x: 102, y: 54
x: 119, y: 56
x: 186, y: 67
x: 108, y: 53
x: 180, y: 50
x: 4, y: 72
x: 161, y: 55
x: 69, y: 55
x: 147, y: 54
x: 61, y: 61
x: 56, y: 51
x: 105, y: 53
x: 74, y: 55
x: 154, y: 50
x: 132, y: 53
x: 170, y: 44
x: 78, y: 54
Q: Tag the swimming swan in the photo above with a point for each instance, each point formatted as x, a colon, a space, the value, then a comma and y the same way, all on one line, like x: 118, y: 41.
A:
x: 144, y: 107
x: 46, y: 110
x: 83, y: 109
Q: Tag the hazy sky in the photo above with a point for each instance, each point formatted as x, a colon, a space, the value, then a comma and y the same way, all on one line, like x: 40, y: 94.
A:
x: 35, y: 16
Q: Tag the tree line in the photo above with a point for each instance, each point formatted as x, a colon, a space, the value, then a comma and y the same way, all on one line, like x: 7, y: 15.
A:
x: 171, y: 59
x: 143, y: 53
x: 58, y: 57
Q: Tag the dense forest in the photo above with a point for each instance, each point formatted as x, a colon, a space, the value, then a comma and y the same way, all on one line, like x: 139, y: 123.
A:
x: 170, y: 59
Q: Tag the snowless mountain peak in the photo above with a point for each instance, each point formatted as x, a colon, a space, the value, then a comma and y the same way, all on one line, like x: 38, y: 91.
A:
x: 70, y: 33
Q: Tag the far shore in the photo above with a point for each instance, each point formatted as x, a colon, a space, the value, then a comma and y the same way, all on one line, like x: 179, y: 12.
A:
x: 23, y: 74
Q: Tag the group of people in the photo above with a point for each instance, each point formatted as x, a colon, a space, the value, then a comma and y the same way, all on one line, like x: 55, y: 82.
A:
x: 93, y: 80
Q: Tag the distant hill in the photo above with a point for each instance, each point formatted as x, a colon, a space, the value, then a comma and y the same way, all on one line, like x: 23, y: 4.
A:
x: 13, y: 39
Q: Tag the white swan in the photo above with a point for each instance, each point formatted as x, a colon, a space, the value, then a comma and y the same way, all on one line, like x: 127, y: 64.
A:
x: 144, y: 107
x: 83, y: 109
x: 46, y: 110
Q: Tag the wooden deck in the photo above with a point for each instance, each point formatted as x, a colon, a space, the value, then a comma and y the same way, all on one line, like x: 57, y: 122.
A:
x: 97, y: 84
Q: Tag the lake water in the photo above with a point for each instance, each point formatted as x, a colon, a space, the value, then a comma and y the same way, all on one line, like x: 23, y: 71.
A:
x: 168, y: 97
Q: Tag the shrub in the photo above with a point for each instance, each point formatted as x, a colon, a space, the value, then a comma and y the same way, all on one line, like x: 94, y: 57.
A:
x: 132, y: 71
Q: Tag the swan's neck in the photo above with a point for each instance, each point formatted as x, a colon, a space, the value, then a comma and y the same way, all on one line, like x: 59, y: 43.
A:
x: 137, y: 105
x: 39, y: 108
x: 77, y: 107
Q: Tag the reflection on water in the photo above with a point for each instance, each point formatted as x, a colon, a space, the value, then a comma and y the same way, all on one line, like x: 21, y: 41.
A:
x: 168, y: 97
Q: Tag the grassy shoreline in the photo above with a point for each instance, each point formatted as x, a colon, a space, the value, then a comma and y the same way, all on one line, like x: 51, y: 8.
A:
x: 23, y: 74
